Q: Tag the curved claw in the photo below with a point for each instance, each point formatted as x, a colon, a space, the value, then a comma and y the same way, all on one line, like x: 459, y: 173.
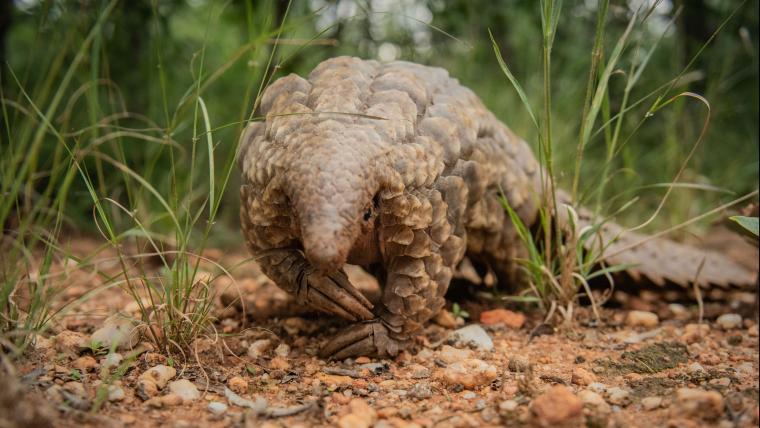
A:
x: 334, y: 294
x: 368, y: 339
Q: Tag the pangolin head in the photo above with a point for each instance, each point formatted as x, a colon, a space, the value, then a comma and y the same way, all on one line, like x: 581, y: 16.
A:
x: 332, y: 185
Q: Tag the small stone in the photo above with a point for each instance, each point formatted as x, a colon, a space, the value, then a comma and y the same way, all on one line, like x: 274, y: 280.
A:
x: 217, y: 408
x: 279, y: 363
x: 709, y: 358
x: 112, y: 359
x: 509, y: 318
x: 729, y: 321
x: 449, y: 354
x: 258, y: 348
x: 238, y: 384
x: 185, y: 389
x: 582, y: 376
x: 747, y: 369
x: 172, y: 399
x: 445, y: 319
x: 154, y: 402
x: 418, y: 371
x: 752, y: 331
x: 360, y: 415
x: 721, y: 382
x: 642, y: 319
x: 694, y: 333
x: 154, y: 379
x: 282, y: 350
x: 334, y: 381
x: 678, y: 311
x: 362, y: 360
x: 473, y: 335
x: 734, y: 339
x: 421, y: 390
x: 591, y: 398
x: 695, y: 368
x: 651, y: 403
x: 619, y: 396
x: 697, y: 403
x: 557, y: 405
x: 85, y: 364
x: 508, y: 405
x: 518, y: 364
x: 76, y: 388
x: 597, y: 387
x: 470, y: 373
x: 127, y: 419
x: 258, y: 405
x: 117, y: 331
x: 69, y: 342
x: 116, y: 393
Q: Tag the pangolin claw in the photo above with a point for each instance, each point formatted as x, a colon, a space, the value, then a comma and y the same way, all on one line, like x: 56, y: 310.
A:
x: 368, y: 339
x: 334, y: 294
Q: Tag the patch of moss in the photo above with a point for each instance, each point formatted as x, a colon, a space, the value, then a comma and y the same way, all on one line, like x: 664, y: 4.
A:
x: 651, y: 359
x: 653, y: 386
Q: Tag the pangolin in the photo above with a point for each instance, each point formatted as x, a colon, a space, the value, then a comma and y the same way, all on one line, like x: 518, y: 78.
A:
x: 398, y: 168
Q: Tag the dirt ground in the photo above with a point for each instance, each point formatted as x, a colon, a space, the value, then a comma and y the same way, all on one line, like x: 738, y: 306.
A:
x: 648, y: 363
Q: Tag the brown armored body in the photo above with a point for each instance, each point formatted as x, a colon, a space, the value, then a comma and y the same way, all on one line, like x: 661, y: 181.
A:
x: 398, y: 168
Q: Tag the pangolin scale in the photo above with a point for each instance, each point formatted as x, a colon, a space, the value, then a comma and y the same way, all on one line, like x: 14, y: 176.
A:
x: 398, y: 168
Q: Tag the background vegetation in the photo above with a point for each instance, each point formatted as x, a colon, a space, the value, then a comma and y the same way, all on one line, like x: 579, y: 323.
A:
x: 121, y: 118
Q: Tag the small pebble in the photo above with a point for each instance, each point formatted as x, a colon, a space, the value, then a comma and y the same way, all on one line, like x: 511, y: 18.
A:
x: 470, y: 373
x: 282, y: 350
x: 112, y: 359
x: 651, y: 403
x: 721, y: 382
x: 154, y: 379
x: 69, y: 342
x: 694, y: 333
x: 752, y: 331
x: 642, y: 319
x: 117, y: 331
x: 506, y: 317
x: 85, y: 364
x: 729, y: 321
x: 185, y: 389
x: 473, y: 335
x: 582, y: 376
x: 449, y: 354
x: 217, y: 407
x: 360, y: 415
x: 418, y: 371
x: 695, y: 368
x: 508, y: 405
x: 258, y: 348
x: 279, y: 363
x: 238, y: 384
x: 116, y: 393
x: 421, y: 390
x: 697, y: 403
x: 678, y: 310
x: 619, y: 396
x: 557, y: 405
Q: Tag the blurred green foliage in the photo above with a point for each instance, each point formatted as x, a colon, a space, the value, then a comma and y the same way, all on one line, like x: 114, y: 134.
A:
x: 150, y: 56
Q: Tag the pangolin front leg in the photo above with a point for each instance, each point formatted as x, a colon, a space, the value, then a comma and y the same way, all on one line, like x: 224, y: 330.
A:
x: 421, y: 248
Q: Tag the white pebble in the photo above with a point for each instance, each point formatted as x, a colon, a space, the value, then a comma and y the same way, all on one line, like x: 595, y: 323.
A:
x: 729, y: 321
x: 217, y: 408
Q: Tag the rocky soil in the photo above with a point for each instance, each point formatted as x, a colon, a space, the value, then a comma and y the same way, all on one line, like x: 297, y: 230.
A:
x: 647, y: 363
